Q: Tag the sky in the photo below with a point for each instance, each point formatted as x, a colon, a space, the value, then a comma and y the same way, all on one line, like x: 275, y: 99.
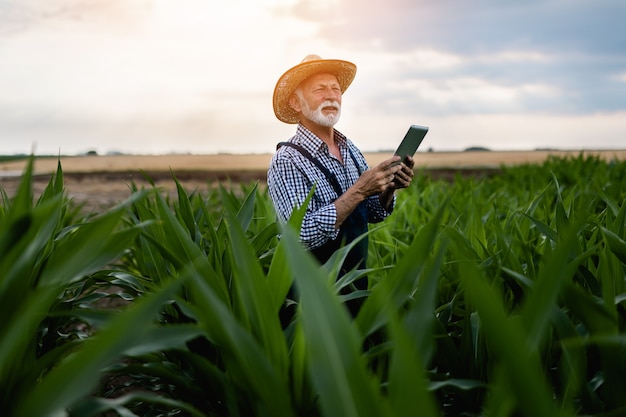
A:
x: 197, y: 76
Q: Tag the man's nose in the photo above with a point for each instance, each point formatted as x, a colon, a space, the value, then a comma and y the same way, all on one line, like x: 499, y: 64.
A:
x: 332, y: 94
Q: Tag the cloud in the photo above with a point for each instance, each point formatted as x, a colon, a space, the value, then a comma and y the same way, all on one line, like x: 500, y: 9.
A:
x: 471, y: 27
x: 554, y: 56
x: 118, y: 15
x: 145, y: 73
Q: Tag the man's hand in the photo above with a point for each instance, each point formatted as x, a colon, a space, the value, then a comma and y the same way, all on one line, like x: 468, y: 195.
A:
x: 375, y: 181
x: 404, y: 177
x: 378, y: 179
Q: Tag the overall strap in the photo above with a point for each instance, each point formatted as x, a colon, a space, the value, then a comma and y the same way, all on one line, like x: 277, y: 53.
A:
x: 331, y: 177
x: 356, y: 163
x: 354, y: 226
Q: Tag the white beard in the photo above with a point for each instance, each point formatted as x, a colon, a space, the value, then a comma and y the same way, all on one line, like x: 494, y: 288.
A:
x: 318, y: 117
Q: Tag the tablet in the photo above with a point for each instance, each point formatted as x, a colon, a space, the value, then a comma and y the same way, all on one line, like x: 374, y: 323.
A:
x: 411, y: 141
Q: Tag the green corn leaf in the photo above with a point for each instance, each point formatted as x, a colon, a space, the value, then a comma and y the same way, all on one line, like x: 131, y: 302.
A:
x: 246, y: 362
x: 262, y: 241
x: 24, y: 244
x: 591, y: 310
x: 246, y: 212
x: 413, y: 345
x: 556, y: 270
x: 561, y: 217
x: 279, y: 277
x: 332, y: 345
x: 546, y: 230
x: 164, y: 338
x: 408, y: 387
x: 617, y: 244
x: 610, y: 202
x: 403, y: 280
x: 178, y: 244
x: 619, y: 224
x: 55, y: 185
x: 185, y: 213
x: 79, y: 254
x: 574, y: 361
x: 602, y: 325
x: 23, y: 200
x: 506, y: 339
x: 251, y: 286
x: 74, y: 378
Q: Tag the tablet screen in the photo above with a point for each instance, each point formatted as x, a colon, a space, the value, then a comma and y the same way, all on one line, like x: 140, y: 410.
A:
x: 411, y: 141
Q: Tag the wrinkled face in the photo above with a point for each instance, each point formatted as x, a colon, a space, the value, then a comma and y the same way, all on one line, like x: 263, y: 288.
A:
x: 318, y: 98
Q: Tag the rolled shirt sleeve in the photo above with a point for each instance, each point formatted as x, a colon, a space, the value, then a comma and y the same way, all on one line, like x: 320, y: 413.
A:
x: 376, y: 212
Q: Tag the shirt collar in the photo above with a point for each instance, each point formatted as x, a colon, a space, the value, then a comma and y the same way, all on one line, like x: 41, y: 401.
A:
x: 313, y: 143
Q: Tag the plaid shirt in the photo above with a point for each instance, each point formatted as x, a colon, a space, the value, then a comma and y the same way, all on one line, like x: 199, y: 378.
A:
x: 291, y: 176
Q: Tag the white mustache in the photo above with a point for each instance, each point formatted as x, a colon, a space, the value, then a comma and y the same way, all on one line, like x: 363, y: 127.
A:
x: 330, y: 103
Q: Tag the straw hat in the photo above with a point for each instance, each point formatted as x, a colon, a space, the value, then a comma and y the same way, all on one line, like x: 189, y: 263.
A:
x: 310, y: 65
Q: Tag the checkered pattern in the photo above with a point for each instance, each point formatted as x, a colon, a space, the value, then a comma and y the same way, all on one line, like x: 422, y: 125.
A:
x: 291, y: 176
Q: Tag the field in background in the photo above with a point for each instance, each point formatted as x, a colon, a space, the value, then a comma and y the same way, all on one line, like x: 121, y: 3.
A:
x: 100, y: 181
x: 259, y: 162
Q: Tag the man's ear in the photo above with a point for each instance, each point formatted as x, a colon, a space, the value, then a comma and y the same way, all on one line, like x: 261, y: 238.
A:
x: 294, y: 103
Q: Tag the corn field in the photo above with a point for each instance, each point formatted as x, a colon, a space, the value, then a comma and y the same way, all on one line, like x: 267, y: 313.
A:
x: 500, y: 296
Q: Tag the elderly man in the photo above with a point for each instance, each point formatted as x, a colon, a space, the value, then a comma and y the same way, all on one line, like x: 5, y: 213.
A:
x: 348, y: 195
